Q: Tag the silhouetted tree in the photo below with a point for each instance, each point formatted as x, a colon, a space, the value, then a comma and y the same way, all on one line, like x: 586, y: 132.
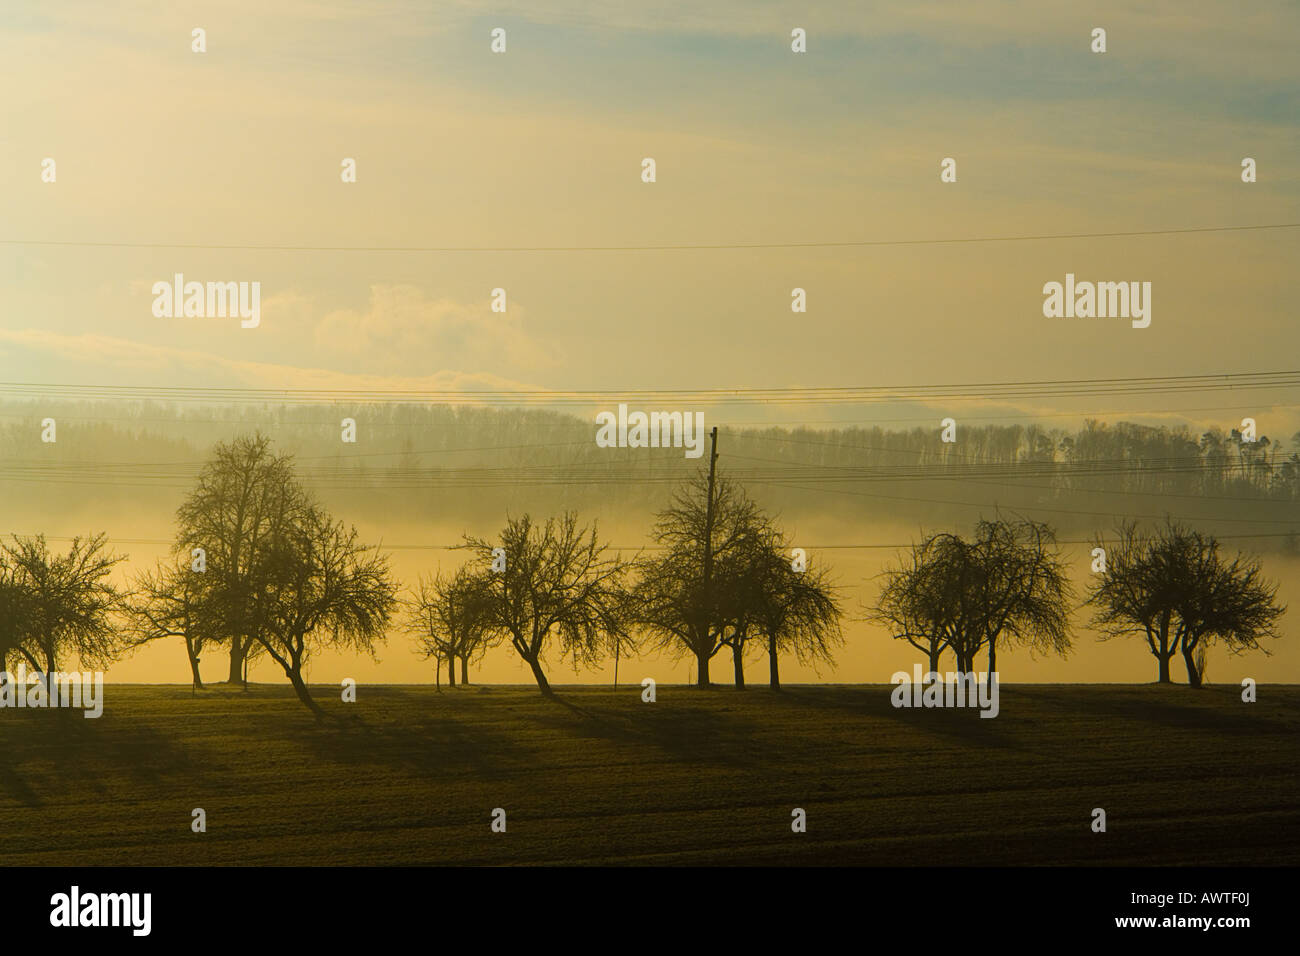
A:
x: 558, y: 584
x: 449, y: 617
x: 1007, y: 583
x: 795, y: 611
x: 13, y: 612
x: 1175, y: 587
x: 1222, y: 600
x: 1135, y: 594
x: 318, y: 587
x: 919, y: 600
x: 735, y: 586
x: 1020, y: 589
x: 167, y: 602
x: 58, y: 606
x: 245, y: 500
x: 692, y: 596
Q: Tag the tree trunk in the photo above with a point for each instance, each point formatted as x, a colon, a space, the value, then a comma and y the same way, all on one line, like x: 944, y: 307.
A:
x: 451, y: 670
x: 737, y: 652
x: 238, y: 651
x: 542, y: 683
x: 934, y: 660
x: 993, y: 663
x: 702, y: 671
x: 1193, y: 672
x: 300, y: 688
x: 464, y: 671
x: 774, y: 676
x: 194, y: 671
x: 1164, y: 667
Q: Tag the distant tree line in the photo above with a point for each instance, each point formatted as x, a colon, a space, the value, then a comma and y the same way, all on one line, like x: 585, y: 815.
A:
x: 476, y: 460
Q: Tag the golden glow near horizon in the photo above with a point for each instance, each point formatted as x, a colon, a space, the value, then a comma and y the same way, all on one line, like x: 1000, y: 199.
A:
x: 522, y: 172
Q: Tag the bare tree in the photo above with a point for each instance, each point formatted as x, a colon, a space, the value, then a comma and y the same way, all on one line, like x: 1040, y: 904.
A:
x: 795, y: 611
x: 1022, y: 590
x: 558, y: 585
x: 246, y: 496
x: 449, y: 615
x: 319, y: 587
x: 919, y: 601
x: 692, y: 596
x: 1175, y: 587
x: 1134, y: 596
x: 59, y: 606
x: 13, y: 612
x: 168, y: 602
x: 1217, y: 599
x: 1006, y: 584
x: 736, y: 592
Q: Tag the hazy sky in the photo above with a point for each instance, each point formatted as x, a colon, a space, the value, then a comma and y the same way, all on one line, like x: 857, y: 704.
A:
x: 542, y: 146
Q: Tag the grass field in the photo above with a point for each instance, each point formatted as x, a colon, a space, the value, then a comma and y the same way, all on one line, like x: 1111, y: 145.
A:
x: 408, y: 775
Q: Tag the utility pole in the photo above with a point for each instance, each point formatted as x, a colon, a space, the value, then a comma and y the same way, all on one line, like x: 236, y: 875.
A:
x: 708, y: 512
x: 708, y: 537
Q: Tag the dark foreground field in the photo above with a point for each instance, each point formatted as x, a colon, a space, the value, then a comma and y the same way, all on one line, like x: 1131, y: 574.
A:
x: 411, y: 776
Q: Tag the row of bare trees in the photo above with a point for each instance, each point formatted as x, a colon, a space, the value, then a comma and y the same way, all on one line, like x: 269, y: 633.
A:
x: 1172, y: 586
x: 722, y: 577
x: 260, y: 568
x: 1006, y: 585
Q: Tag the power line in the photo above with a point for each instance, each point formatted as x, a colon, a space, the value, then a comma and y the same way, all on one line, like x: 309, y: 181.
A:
x: 1070, y: 489
x: 663, y: 247
x: 1034, y: 508
x: 196, y: 463
x: 780, y: 395
x: 753, y: 424
x: 612, y: 470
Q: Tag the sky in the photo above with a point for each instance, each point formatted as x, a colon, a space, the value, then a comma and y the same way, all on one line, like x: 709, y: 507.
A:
x: 163, y: 154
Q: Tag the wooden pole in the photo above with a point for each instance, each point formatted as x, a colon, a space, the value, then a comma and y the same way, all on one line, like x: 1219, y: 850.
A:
x: 708, y: 532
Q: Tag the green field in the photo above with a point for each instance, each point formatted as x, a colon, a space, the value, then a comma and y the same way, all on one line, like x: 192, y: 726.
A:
x: 408, y: 775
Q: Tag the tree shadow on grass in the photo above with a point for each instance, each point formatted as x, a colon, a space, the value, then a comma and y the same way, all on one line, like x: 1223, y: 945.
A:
x: 1182, y: 708
x: 684, y: 732
x: 430, y: 746
x: 86, y: 754
x: 873, y: 702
